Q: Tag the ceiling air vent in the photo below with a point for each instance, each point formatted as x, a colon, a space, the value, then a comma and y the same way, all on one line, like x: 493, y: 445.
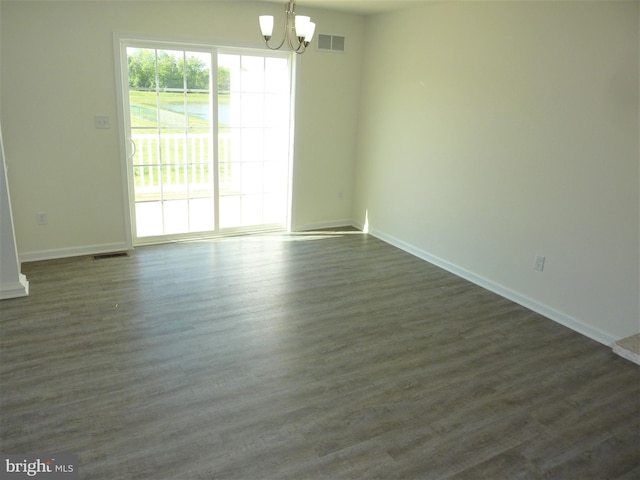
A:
x: 332, y: 43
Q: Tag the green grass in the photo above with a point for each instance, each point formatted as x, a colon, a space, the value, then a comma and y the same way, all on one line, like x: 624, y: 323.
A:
x: 148, y: 99
x: 144, y: 101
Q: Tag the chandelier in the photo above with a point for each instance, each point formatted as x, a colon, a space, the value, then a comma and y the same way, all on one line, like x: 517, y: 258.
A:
x: 298, y: 29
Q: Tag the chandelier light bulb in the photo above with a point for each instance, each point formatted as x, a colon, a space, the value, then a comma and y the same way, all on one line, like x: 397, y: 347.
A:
x: 311, y: 29
x: 266, y: 25
x: 302, y: 25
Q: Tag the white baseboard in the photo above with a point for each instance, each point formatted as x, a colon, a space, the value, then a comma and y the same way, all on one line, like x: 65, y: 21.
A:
x: 73, y: 251
x: 552, y: 314
x: 15, y: 290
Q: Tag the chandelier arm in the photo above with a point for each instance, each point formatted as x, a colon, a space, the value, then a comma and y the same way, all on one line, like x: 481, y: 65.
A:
x: 290, y: 27
x: 299, y: 49
x: 294, y: 47
x: 266, y: 42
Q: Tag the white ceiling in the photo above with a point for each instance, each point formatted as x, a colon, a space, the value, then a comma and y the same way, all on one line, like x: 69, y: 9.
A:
x: 363, y: 7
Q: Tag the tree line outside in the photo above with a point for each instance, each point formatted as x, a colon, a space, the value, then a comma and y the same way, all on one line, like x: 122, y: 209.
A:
x: 173, y: 70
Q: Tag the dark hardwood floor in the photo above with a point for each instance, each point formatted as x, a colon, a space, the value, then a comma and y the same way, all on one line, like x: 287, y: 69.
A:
x: 303, y: 356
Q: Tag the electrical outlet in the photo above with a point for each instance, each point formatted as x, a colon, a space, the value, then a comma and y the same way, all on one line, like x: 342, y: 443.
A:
x: 539, y: 265
x: 101, y: 121
x: 41, y: 218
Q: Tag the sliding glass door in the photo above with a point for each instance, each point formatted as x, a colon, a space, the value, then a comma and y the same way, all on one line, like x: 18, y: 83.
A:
x: 208, y: 141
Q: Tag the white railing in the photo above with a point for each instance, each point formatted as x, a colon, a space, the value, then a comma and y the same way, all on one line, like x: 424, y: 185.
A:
x: 186, y: 160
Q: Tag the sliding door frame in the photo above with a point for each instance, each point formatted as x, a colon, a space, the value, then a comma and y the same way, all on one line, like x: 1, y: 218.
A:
x: 121, y: 42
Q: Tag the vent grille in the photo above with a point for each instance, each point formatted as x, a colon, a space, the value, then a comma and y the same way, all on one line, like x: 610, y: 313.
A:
x: 104, y: 256
x: 331, y: 43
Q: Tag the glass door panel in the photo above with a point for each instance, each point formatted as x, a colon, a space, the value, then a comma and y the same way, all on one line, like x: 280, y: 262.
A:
x: 172, y: 132
x: 253, y: 153
x: 205, y: 159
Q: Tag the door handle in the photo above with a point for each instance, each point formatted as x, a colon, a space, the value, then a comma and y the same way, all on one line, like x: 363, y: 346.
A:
x: 133, y: 148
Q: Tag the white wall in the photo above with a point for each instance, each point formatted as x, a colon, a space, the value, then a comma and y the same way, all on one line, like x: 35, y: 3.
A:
x: 328, y: 99
x: 491, y: 132
x: 58, y: 73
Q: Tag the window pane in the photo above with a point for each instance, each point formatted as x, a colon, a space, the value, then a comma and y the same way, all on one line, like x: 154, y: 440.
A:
x: 198, y: 109
x: 252, y: 74
x: 170, y: 69
x: 252, y: 177
x: 252, y: 144
x: 200, y: 180
x: 142, y: 87
x: 173, y: 182
x: 235, y: 145
x: 172, y: 110
x: 276, y: 75
x: 145, y: 148
x: 252, y: 110
x: 275, y: 177
x: 229, y: 211
x: 198, y: 146
x: 142, y: 109
x: 172, y: 147
x: 201, y: 213
x: 251, y: 210
x: 274, y: 208
x: 230, y: 65
x: 197, y: 71
x: 276, y: 144
x: 147, y: 183
x: 276, y: 110
x: 149, y: 219
x: 235, y: 109
x: 230, y: 178
x: 176, y: 216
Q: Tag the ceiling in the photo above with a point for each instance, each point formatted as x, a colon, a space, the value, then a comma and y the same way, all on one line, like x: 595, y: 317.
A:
x: 362, y: 7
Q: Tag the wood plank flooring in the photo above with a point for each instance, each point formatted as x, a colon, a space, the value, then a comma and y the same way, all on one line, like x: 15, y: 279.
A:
x: 309, y: 356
